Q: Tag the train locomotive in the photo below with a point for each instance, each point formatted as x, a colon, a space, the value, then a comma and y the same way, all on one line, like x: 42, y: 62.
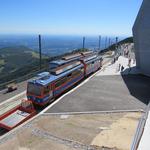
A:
x: 63, y: 74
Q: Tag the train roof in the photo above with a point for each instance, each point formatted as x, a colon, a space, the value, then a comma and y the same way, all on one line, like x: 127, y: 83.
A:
x: 90, y: 57
x: 50, y: 77
x: 72, y: 57
x: 65, y: 67
x: 87, y: 53
x: 58, y: 62
x: 89, y: 61
x: 61, y: 62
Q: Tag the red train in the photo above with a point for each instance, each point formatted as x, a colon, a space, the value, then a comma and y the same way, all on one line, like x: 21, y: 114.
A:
x: 64, y: 73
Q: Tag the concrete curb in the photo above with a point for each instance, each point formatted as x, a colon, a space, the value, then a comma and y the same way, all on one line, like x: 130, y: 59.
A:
x: 95, y: 112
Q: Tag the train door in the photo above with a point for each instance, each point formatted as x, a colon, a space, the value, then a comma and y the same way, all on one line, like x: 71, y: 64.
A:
x: 84, y: 69
x: 47, y: 92
x: 93, y: 66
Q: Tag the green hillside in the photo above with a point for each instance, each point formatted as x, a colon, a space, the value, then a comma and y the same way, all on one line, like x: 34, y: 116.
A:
x: 13, y: 58
x: 19, y: 61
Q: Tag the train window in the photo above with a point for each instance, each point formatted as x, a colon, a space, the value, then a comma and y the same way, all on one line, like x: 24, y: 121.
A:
x: 69, y: 75
x: 46, y: 89
x: 60, y: 82
x: 76, y: 73
x: 34, y: 89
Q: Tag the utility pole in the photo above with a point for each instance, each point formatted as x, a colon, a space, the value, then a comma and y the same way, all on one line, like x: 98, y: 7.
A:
x: 116, y: 45
x: 106, y: 42
x: 99, y: 45
x: 83, y: 43
x: 109, y: 43
x: 40, y: 52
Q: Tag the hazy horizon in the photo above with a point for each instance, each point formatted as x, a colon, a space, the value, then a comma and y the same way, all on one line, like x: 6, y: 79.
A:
x: 55, y: 44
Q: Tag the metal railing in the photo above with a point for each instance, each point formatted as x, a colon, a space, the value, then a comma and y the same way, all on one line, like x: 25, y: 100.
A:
x: 140, y: 129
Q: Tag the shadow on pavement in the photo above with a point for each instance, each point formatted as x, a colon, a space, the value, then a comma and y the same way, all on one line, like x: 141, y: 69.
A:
x: 138, y: 85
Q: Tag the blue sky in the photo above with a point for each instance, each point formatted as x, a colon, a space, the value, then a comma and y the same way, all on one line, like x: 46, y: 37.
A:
x: 68, y: 17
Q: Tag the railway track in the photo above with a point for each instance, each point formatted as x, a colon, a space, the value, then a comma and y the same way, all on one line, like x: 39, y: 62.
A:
x: 3, y: 131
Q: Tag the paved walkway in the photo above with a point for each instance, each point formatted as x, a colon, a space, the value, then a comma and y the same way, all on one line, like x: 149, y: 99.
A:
x: 106, y: 93
x: 114, y: 69
x: 110, y: 89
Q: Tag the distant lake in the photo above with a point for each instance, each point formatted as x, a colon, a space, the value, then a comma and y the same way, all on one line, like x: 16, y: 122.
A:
x: 54, y: 45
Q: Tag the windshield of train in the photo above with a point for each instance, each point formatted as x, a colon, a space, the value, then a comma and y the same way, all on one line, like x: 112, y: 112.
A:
x: 34, y: 89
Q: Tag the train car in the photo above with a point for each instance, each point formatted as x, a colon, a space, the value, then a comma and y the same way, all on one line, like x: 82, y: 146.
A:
x: 64, y: 60
x: 87, y: 53
x: 56, y: 64
x: 68, y: 71
x: 70, y: 58
x: 91, y: 63
x: 47, y: 86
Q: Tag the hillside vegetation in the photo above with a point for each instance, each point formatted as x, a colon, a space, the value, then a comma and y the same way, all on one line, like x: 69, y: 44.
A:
x: 18, y: 61
x: 21, y: 63
x: 13, y: 58
x: 113, y: 47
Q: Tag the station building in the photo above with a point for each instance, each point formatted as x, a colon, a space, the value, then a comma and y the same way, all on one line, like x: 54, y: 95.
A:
x: 141, y: 35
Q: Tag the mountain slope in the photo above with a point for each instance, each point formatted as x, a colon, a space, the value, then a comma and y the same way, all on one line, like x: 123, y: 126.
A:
x: 13, y: 58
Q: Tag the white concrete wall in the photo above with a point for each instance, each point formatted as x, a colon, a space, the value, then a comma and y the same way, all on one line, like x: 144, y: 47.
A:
x: 141, y: 33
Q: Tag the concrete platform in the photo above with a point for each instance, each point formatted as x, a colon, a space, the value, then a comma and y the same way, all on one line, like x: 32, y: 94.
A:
x: 75, y: 132
x: 107, y: 93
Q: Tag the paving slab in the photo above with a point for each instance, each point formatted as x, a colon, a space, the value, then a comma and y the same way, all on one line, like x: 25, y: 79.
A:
x: 107, y: 93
